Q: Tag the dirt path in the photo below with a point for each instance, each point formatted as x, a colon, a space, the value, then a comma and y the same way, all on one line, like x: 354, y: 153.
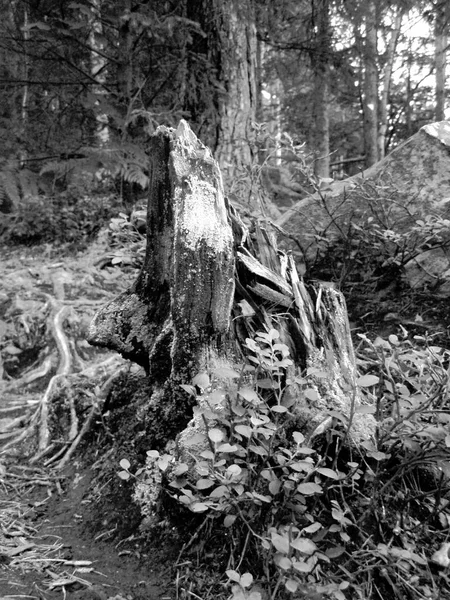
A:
x: 53, y: 544
x: 50, y: 550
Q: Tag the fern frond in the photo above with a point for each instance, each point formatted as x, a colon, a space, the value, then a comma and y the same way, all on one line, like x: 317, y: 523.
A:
x: 9, y: 186
x: 28, y: 181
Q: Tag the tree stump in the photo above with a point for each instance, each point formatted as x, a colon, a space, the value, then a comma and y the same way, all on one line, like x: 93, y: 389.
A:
x: 208, y: 283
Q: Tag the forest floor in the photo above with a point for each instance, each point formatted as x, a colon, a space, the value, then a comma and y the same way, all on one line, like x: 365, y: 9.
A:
x: 54, y: 542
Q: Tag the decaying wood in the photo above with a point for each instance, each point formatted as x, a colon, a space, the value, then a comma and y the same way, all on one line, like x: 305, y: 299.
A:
x: 184, y: 314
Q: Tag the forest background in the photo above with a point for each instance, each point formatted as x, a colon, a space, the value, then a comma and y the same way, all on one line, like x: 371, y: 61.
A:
x: 289, y: 95
x: 84, y: 84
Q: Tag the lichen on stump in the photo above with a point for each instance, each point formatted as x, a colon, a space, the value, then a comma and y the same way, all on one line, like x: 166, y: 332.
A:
x: 184, y: 314
x: 176, y: 316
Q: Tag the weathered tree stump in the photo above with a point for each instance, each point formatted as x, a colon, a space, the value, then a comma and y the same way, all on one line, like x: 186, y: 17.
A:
x: 207, y: 284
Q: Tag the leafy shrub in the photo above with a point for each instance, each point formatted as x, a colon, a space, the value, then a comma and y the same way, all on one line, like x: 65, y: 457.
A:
x: 126, y: 236
x: 292, y: 517
x: 62, y: 219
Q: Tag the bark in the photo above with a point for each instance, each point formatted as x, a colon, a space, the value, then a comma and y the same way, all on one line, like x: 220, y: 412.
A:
x: 125, y: 61
x: 237, y: 108
x: 25, y: 91
x: 184, y: 315
x: 320, y: 59
x: 223, y: 113
x: 370, y: 89
x: 386, y: 83
x: 98, y: 73
x: 441, y: 27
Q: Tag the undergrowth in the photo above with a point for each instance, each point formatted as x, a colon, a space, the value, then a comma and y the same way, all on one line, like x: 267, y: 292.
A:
x: 281, y: 516
x: 60, y: 219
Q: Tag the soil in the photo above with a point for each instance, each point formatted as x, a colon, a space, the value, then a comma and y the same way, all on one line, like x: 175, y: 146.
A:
x: 86, y: 547
x: 76, y: 534
x: 73, y: 533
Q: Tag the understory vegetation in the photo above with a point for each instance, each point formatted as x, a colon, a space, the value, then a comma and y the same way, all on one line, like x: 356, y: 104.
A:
x: 270, y: 513
x: 321, y: 517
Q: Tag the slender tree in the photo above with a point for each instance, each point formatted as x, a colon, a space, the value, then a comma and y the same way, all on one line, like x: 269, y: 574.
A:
x: 389, y: 58
x: 442, y: 22
x: 370, y: 82
x: 320, y: 61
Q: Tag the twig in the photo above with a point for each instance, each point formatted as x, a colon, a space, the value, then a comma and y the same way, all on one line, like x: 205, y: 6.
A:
x: 85, y: 428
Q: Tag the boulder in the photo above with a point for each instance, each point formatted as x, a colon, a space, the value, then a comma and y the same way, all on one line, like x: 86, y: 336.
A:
x: 409, y: 185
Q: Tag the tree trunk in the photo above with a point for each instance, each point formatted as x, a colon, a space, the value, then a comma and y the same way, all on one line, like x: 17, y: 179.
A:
x: 206, y: 287
x: 320, y: 59
x: 98, y: 73
x: 230, y: 47
x: 387, y: 74
x: 441, y: 26
x: 370, y: 95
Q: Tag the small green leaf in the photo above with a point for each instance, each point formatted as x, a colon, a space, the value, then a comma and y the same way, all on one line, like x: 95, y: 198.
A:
x: 302, y: 466
x: 304, y: 545
x: 299, y: 438
x: 198, y: 507
x: 124, y: 475
x: 125, y: 463
x: 207, y: 454
x: 267, y: 384
x: 258, y: 450
x: 335, y: 551
x: 367, y: 380
x: 164, y: 461
x: 216, y: 435
x: 312, y: 528
x: 291, y: 585
x: 274, y: 487
x: 204, y: 484
x: 302, y: 567
x: 152, y: 453
x: 233, y: 575
x: 377, y: 455
x: 257, y: 496
x: 249, y: 394
x: 229, y: 520
x: 244, y: 430
x: 234, y: 471
x: 246, y: 580
x: 280, y: 542
x: 226, y: 448
x: 279, y: 409
x: 221, y: 491
x: 328, y: 473
x: 201, y: 380
x: 309, y: 488
x: 284, y: 563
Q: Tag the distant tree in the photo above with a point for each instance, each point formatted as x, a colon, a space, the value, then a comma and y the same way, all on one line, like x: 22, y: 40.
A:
x: 441, y: 25
x: 391, y: 36
x: 321, y: 56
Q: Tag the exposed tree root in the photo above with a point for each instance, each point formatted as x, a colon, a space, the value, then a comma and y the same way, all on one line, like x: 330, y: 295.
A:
x: 32, y: 433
